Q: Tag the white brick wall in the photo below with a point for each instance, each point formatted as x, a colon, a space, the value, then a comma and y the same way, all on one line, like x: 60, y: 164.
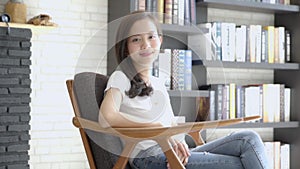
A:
x: 56, y: 55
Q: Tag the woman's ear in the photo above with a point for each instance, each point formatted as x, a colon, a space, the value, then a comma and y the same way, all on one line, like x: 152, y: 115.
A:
x: 161, y: 39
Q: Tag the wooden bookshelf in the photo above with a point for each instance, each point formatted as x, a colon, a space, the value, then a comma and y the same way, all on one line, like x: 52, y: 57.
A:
x: 247, y: 65
x: 188, y: 93
x: 290, y: 124
x: 249, y: 6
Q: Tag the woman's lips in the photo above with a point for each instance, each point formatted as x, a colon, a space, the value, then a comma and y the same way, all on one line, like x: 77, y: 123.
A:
x: 145, y: 54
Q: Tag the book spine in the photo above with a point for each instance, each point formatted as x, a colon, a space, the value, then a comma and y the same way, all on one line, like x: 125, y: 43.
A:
x: 232, y: 101
x: 175, y: 12
x: 168, y: 11
x: 188, y: 70
x: 187, y: 14
x: 160, y: 10
x: 181, y: 12
x: 181, y: 70
x: 212, y: 108
x: 281, y: 44
x: 258, y: 39
x: 288, y: 46
x: 174, y: 69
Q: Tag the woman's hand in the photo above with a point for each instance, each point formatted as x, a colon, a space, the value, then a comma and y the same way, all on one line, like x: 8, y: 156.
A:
x: 182, y: 151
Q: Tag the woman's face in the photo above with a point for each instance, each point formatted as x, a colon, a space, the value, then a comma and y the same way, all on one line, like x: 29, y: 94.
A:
x: 143, y: 43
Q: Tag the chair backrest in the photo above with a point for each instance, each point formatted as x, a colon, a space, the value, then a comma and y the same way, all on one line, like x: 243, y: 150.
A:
x: 88, y: 89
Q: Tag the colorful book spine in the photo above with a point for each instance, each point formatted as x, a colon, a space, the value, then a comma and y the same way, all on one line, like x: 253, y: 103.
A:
x: 174, y: 69
x: 168, y: 11
x: 188, y: 70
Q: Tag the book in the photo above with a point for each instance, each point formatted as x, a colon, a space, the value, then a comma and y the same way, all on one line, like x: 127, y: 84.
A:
x: 165, y: 67
x: 240, y: 50
x: 228, y: 41
x: 216, y: 40
x: 203, y: 106
x: 270, y: 42
x: 175, y: 12
x: 287, y: 104
x: 287, y: 46
x: 218, y: 90
x: 160, y: 10
x: 174, y: 69
x: 285, y: 156
x: 168, y: 12
x: 181, y: 4
x: 232, y: 100
x: 188, y: 70
x: 281, y: 44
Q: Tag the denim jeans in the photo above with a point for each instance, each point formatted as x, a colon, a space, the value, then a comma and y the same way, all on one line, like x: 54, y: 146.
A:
x: 238, y: 150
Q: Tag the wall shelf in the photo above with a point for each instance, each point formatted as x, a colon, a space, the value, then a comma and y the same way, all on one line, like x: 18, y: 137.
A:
x: 249, y: 6
x: 34, y: 28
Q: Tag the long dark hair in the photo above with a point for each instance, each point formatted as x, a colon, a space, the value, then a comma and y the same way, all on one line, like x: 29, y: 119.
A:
x: 138, y: 85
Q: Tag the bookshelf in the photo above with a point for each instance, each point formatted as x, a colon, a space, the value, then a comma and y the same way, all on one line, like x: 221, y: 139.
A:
x: 175, y: 36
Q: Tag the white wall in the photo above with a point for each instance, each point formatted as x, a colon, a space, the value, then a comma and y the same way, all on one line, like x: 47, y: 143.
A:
x: 55, y: 143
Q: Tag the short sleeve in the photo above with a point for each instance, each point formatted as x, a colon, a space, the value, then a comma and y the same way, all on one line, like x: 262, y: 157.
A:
x: 119, y: 81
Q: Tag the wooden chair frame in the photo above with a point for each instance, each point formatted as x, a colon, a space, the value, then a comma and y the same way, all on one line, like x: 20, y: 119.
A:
x: 132, y: 136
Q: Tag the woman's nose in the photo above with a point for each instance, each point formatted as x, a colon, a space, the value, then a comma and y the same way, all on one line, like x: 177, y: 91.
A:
x: 146, y: 43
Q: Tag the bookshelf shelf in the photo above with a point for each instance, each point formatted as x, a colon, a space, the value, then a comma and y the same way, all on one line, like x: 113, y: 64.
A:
x: 249, y: 6
x: 188, y: 93
x: 290, y: 124
x: 183, y: 29
x: 248, y: 65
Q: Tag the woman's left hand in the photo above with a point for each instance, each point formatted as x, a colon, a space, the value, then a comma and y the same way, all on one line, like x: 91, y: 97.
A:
x: 182, y: 151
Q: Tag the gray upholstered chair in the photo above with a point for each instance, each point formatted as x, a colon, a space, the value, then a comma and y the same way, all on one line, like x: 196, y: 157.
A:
x: 103, y: 145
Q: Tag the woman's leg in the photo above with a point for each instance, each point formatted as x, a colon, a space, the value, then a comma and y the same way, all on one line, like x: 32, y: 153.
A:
x: 246, y: 145
x: 237, y: 151
x: 197, y: 160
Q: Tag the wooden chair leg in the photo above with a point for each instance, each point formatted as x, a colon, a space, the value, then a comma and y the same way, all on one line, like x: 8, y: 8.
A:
x: 170, y: 154
x: 197, y: 138
x: 123, y: 159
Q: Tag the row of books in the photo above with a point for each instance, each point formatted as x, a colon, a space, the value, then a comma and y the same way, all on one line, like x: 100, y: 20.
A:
x: 174, y: 67
x: 284, y: 2
x: 278, y: 155
x: 242, y: 43
x: 180, y: 12
x: 229, y: 101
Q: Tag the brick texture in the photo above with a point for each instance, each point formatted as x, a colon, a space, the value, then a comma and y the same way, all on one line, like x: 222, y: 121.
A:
x: 14, y: 98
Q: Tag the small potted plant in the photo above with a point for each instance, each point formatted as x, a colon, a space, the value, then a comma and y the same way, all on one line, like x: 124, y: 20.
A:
x: 17, y: 11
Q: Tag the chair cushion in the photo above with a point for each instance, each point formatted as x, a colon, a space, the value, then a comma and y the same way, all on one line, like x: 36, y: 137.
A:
x: 89, y: 92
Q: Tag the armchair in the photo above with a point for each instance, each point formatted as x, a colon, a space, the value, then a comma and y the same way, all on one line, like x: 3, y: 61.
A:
x: 103, y: 146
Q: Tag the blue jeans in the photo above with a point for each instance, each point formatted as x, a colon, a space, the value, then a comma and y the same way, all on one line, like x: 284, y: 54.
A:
x: 238, y: 150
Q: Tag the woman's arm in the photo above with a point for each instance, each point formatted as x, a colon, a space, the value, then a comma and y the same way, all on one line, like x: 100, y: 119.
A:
x: 109, y: 114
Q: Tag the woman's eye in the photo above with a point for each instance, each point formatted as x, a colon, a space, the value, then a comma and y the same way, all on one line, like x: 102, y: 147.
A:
x: 135, y: 40
x: 152, y: 36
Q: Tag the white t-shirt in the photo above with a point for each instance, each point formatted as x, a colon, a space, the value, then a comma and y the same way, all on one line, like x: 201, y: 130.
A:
x: 153, y: 108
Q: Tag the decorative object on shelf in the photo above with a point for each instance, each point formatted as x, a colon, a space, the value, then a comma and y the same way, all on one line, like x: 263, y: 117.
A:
x: 17, y: 11
x: 5, y: 18
x: 42, y: 19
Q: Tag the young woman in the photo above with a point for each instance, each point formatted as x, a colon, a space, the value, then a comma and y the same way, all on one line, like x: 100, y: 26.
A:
x: 134, y: 98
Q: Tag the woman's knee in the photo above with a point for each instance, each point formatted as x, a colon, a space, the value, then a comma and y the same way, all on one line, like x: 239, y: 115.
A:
x: 248, y: 135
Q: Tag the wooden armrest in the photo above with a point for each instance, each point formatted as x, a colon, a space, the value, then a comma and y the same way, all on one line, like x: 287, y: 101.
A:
x: 197, y: 136
x: 160, y: 134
